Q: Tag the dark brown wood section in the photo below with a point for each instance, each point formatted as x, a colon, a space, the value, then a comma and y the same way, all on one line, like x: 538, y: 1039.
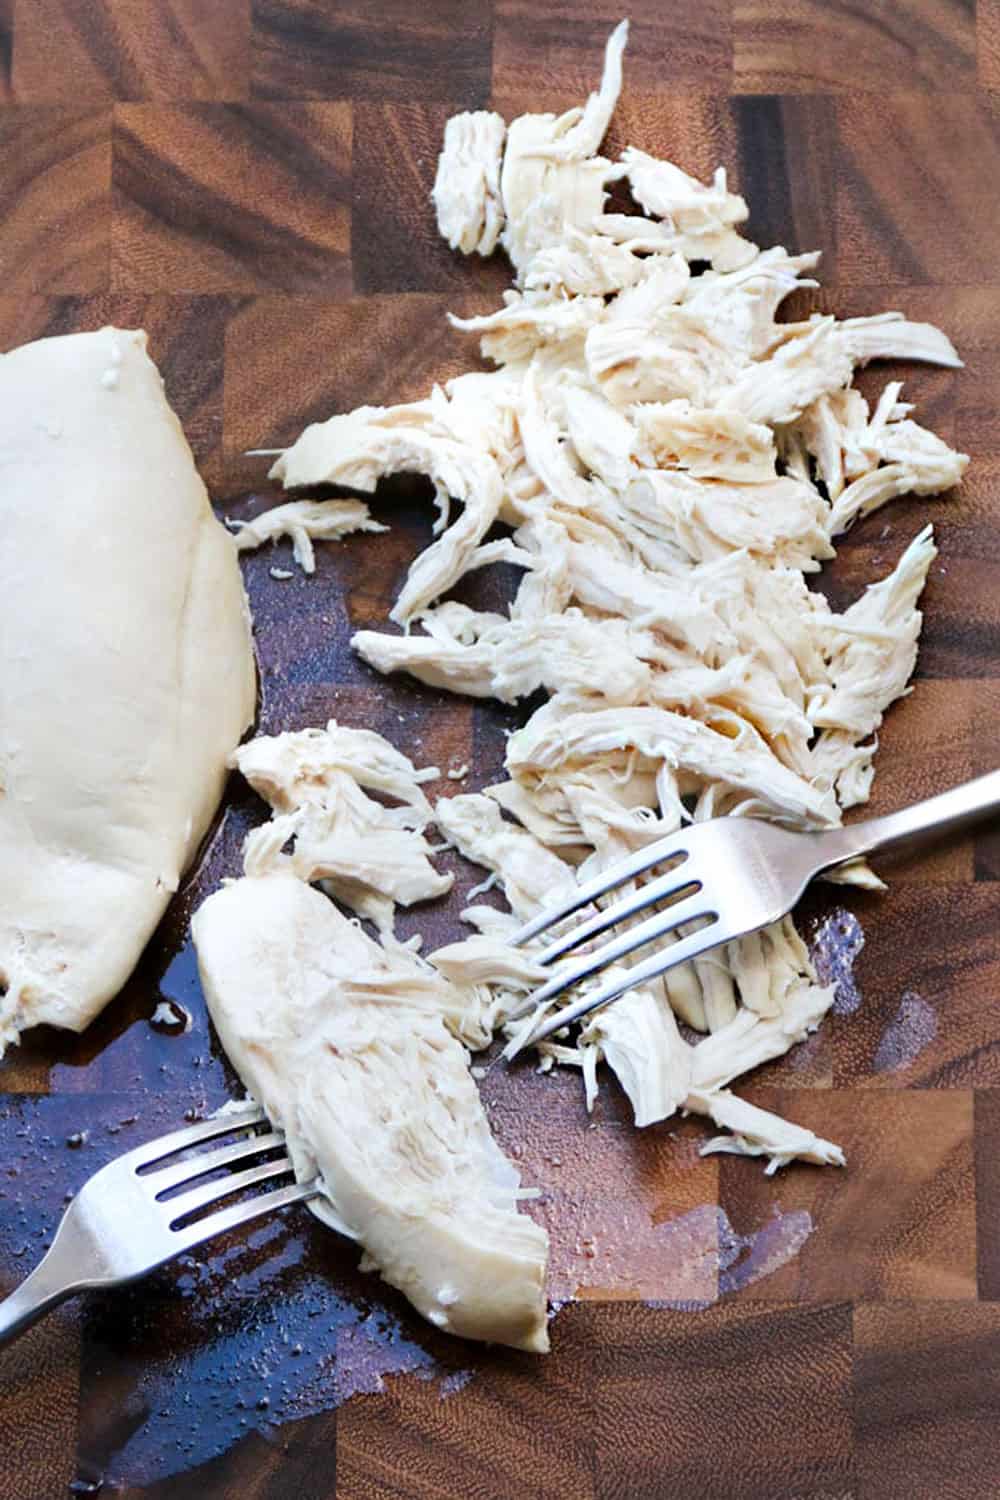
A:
x: 249, y: 180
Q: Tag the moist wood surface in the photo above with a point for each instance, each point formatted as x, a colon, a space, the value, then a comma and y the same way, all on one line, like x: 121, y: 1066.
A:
x: 249, y: 182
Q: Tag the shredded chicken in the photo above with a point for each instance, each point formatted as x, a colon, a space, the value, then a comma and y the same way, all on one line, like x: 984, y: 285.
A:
x: 370, y: 856
x: 305, y: 521
x: 670, y: 461
x: 467, y: 187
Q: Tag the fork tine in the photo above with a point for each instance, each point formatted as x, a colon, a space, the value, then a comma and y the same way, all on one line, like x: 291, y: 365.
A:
x: 626, y: 942
x: 184, y: 1204
x: 191, y: 1135
x: 609, y: 916
x: 643, y: 859
x: 243, y: 1213
x: 658, y: 963
x: 193, y: 1167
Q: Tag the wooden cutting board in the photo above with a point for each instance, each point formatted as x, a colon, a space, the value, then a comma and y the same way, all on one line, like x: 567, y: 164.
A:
x: 253, y: 189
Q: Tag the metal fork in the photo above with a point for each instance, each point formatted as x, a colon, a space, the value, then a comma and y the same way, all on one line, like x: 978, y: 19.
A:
x: 731, y: 876
x: 135, y: 1213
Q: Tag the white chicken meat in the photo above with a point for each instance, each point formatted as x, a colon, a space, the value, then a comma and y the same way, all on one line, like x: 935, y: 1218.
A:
x: 673, y: 461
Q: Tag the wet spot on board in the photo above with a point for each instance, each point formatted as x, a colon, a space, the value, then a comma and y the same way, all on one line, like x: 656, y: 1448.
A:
x: 739, y: 1260
x: 368, y: 1351
x: 912, y: 1028
x: 707, y: 1257
x: 450, y: 1385
x: 746, y: 1258
x: 255, y: 1329
x: 835, y: 946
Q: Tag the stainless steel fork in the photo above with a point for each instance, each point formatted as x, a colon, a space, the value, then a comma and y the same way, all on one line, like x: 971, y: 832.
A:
x: 136, y: 1213
x: 726, y: 877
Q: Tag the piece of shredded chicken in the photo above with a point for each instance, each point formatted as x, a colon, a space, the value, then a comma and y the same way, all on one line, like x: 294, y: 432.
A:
x: 305, y: 521
x: 670, y: 461
x: 369, y: 855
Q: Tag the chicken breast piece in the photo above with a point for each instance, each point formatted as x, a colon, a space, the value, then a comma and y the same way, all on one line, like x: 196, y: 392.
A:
x: 376, y: 1097
x: 126, y: 669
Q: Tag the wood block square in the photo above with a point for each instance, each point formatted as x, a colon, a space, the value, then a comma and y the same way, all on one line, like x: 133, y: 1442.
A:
x: 311, y: 49
x: 988, y: 43
x: 898, y: 1221
x: 788, y: 174
x: 39, y: 1394
x: 973, y: 319
x: 927, y: 972
x: 926, y: 1391
x: 227, y: 198
x: 910, y: 202
x: 55, y: 199
x: 733, y: 1403
x: 560, y: 48
x: 805, y: 46
x: 494, y: 1422
x: 395, y: 243
x: 68, y: 50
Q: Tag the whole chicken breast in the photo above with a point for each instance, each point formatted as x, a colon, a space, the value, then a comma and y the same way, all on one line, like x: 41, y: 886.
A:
x: 126, y: 669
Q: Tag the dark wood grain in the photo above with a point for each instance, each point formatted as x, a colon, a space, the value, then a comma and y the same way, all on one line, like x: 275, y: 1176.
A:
x: 55, y: 199
x: 132, y: 49
x: 232, y: 198
x: 39, y: 1399
x: 937, y: 944
x: 487, y: 1440
x: 910, y: 202
x: 787, y: 171
x: 676, y: 1387
x: 926, y: 1394
x: 395, y: 245
x: 839, y: 46
x: 899, y: 1223
x: 393, y: 347
x: 384, y: 49
x: 987, y: 1165
x: 250, y: 183
x: 560, y: 46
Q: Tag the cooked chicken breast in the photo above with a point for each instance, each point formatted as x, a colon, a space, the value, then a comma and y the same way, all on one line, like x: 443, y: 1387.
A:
x: 375, y: 1096
x: 126, y: 669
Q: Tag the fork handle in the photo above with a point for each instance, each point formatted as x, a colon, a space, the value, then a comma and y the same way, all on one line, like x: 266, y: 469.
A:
x: 41, y: 1290
x: 942, y: 814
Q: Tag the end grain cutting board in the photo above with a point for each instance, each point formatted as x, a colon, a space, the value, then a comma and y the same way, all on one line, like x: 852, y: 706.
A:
x: 250, y: 183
